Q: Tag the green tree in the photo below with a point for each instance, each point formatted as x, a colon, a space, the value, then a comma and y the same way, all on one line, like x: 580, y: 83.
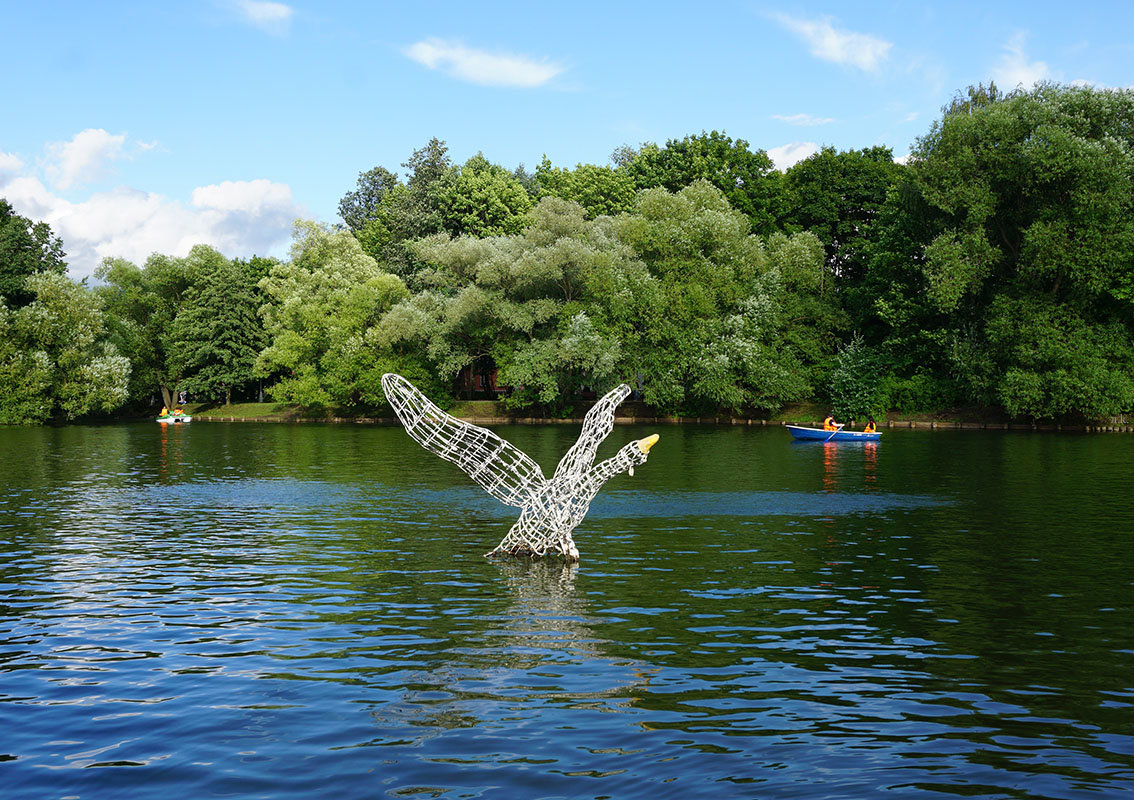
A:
x: 677, y: 297
x: 26, y: 249
x: 217, y: 334
x: 837, y: 196
x: 385, y: 214
x: 482, y: 199
x: 856, y: 388
x: 731, y: 320
x: 1059, y: 360
x: 25, y: 376
x: 54, y: 357
x: 599, y: 190
x: 525, y: 303
x: 321, y: 305
x: 141, y: 306
x: 747, y: 178
x: 1018, y: 228
x: 364, y: 204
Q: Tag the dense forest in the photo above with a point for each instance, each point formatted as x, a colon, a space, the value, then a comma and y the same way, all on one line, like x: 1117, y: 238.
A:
x: 994, y: 269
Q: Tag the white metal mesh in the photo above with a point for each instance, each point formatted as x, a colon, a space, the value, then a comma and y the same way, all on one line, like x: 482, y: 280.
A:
x: 550, y: 509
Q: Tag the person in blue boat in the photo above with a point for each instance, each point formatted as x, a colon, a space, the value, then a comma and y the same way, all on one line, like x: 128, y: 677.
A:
x: 829, y: 424
x: 870, y: 427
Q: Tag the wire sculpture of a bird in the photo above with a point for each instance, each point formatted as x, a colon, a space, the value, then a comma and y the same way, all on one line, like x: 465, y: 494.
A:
x: 550, y: 508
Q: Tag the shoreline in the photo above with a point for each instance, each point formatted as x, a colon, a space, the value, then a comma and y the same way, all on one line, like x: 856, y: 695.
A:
x: 889, y: 424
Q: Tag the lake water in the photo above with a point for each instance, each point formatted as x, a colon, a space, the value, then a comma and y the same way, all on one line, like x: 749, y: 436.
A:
x: 280, y: 611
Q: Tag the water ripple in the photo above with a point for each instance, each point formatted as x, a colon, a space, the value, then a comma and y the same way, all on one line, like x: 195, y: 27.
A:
x: 916, y: 631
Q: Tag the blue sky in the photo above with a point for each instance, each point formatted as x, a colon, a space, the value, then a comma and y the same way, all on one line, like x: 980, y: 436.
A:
x: 140, y: 127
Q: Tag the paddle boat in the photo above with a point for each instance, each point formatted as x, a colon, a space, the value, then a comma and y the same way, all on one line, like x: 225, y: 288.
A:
x: 819, y: 435
x: 174, y: 418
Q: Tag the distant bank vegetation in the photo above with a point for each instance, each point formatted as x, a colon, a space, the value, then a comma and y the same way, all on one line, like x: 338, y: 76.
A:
x: 994, y: 269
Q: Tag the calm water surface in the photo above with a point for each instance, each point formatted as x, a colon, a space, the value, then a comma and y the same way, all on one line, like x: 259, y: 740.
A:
x: 243, y: 610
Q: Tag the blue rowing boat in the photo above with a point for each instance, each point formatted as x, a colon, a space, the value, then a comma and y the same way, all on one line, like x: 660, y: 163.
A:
x: 820, y: 435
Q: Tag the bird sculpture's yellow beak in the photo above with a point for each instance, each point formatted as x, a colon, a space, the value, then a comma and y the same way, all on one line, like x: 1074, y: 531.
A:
x: 648, y: 442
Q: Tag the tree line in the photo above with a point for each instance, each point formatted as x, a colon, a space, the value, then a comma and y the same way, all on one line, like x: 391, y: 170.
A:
x: 994, y: 268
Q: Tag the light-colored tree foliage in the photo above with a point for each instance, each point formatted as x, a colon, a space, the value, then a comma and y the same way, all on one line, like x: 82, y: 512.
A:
x: 733, y: 321
x: 676, y: 297
x: 520, y: 301
x: 54, y: 357
x: 321, y: 305
x: 856, y: 387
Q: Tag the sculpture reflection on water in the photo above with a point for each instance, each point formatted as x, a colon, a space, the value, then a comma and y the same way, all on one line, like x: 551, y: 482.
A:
x: 530, y: 653
x: 550, y: 508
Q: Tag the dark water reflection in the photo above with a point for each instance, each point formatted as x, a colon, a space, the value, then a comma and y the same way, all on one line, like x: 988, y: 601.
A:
x: 277, y: 611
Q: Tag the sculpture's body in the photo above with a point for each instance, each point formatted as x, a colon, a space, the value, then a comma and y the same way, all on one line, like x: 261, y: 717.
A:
x: 550, y: 508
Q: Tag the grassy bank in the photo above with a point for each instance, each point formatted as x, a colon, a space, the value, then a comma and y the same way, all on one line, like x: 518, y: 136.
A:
x: 265, y: 412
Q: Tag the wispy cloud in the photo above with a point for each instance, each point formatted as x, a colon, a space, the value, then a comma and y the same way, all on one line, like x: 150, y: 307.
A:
x: 805, y: 120
x: 839, y: 46
x: 786, y: 155
x: 273, y: 18
x: 1014, y: 69
x: 480, y: 66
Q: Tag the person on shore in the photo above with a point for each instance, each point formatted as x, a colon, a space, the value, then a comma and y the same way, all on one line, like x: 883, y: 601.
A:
x: 829, y: 424
x: 870, y: 427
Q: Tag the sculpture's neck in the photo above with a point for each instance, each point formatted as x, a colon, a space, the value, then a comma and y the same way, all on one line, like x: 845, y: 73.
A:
x: 605, y: 470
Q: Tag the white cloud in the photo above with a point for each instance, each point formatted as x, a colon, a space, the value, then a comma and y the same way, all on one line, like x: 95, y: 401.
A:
x: 247, y: 196
x: 910, y: 117
x: 481, y: 67
x: 269, y: 17
x: 786, y: 155
x: 84, y: 158
x: 903, y: 159
x: 1013, y: 69
x: 29, y: 197
x: 239, y: 218
x: 840, y: 46
x: 803, y: 119
x: 10, y: 164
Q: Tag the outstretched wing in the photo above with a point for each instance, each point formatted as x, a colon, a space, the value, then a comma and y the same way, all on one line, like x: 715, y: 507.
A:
x: 501, y: 468
x: 596, y: 427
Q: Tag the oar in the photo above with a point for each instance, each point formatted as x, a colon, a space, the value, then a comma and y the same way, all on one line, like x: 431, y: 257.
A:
x: 836, y: 430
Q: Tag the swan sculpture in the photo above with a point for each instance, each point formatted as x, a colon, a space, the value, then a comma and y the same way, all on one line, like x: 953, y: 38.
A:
x: 550, y: 509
